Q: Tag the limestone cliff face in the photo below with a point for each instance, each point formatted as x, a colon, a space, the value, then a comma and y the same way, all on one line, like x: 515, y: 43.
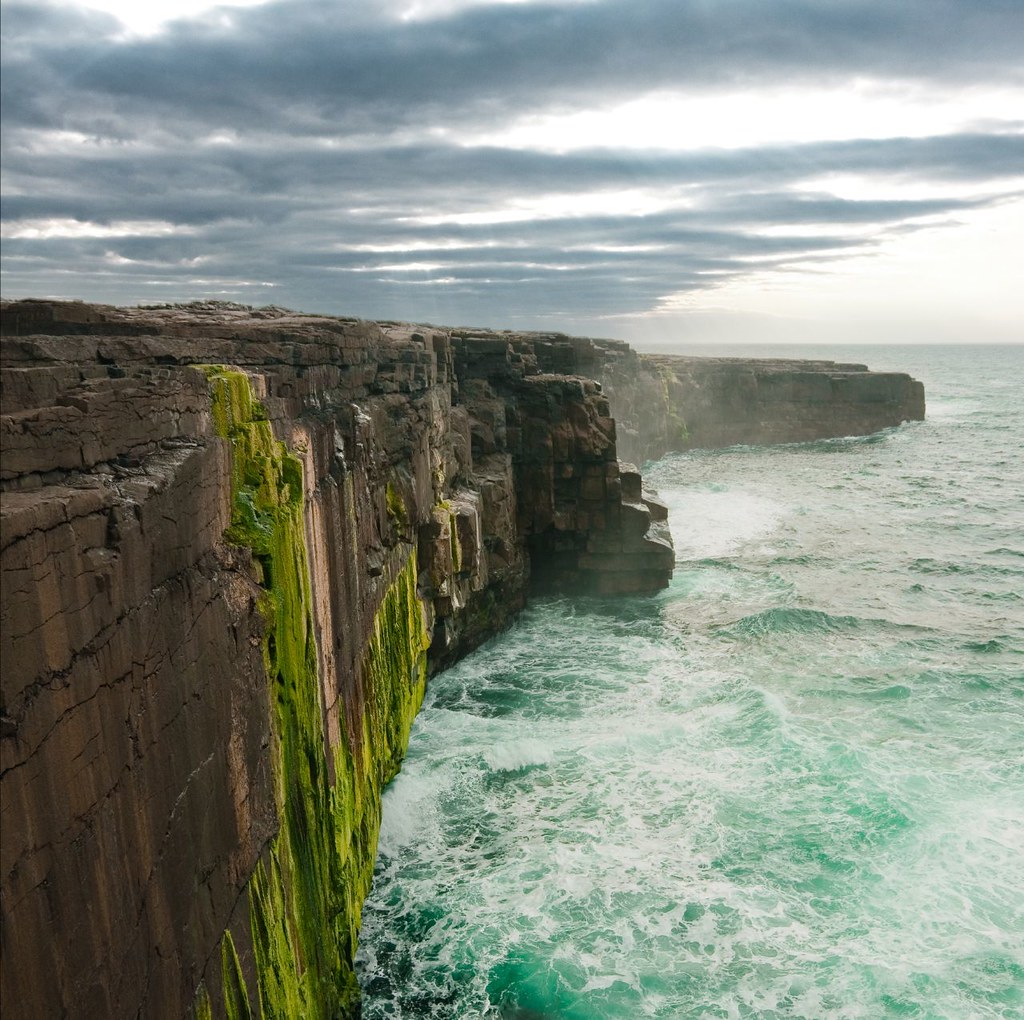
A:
x: 234, y: 545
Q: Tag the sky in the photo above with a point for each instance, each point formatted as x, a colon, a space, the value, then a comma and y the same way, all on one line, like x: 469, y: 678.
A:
x: 663, y: 171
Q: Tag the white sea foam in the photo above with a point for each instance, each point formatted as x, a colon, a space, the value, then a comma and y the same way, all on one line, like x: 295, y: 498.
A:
x: 520, y: 754
x: 952, y: 408
x: 708, y: 524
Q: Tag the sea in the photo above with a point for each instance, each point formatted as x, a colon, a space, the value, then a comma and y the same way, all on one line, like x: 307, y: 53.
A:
x: 790, y: 785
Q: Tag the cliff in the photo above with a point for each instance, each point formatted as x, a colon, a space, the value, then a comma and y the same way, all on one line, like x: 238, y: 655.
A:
x: 667, y: 403
x: 234, y: 545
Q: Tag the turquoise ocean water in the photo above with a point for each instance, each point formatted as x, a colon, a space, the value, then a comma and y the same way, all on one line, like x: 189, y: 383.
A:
x: 791, y: 785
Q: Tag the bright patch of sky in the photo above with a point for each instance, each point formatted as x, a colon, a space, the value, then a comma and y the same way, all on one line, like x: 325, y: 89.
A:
x: 958, y: 284
x: 763, y: 116
x: 148, y: 17
x: 632, y: 202
x: 923, y: 273
x: 44, y: 229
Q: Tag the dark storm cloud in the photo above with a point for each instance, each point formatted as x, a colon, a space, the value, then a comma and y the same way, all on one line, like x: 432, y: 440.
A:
x: 310, y: 67
x: 267, y: 185
x: 314, y: 173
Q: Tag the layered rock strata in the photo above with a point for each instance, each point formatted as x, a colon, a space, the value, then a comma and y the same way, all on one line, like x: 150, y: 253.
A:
x: 234, y: 544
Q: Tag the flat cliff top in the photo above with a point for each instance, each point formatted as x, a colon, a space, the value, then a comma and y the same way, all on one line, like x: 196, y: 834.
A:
x: 203, y: 321
x: 222, y: 320
x: 766, y: 365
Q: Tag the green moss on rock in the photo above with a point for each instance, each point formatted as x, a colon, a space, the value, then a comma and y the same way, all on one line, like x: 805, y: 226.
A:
x: 454, y: 543
x: 305, y: 897
x: 201, y: 1007
x: 236, y: 995
x: 396, y: 507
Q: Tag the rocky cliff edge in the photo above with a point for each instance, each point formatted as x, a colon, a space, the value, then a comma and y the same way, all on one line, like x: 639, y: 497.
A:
x: 234, y: 544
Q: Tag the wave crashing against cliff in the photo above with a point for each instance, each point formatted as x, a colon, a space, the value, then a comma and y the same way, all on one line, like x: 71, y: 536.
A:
x: 223, y: 589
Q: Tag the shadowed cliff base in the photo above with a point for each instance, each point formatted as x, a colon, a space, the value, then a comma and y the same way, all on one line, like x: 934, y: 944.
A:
x: 234, y: 543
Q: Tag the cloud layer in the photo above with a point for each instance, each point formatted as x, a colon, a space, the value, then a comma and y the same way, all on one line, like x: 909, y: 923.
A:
x: 331, y: 156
